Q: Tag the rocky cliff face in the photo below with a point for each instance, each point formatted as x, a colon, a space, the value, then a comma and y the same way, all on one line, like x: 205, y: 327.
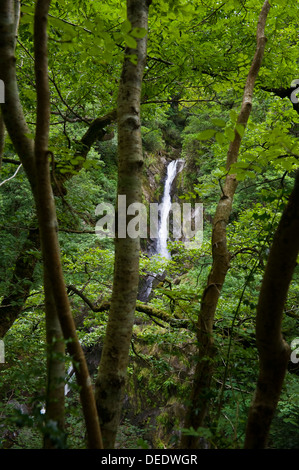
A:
x: 154, y: 175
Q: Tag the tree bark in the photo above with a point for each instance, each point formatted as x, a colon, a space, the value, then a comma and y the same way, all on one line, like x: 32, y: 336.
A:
x: 55, y: 290
x: 274, y: 352
x: 55, y: 343
x: 197, y: 411
x: 55, y: 395
x: 35, y: 159
x: 110, y: 383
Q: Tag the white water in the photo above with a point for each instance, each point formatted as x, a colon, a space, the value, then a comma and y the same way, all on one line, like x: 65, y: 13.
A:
x: 166, y: 206
x: 66, y: 387
x: 163, y: 228
x: 69, y: 377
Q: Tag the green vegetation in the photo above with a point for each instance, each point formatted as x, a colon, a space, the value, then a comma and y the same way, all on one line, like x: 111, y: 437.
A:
x: 199, y: 56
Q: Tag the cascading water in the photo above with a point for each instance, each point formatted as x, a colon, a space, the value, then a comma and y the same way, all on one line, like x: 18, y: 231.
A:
x: 69, y: 377
x: 67, y: 388
x: 166, y: 206
x: 161, y: 245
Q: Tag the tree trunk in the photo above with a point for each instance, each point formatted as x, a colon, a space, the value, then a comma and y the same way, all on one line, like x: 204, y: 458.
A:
x: 55, y: 290
x: 110, y: 383
x: 55, y: 396
x: 35, y: 159
x: 197, y: 411
x: 274, y: 352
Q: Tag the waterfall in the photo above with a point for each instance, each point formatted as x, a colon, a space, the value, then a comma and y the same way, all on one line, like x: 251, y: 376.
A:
x: 69, y: 375
x: 166, y: 206
x: 161, y: 245
x: 70, y: 372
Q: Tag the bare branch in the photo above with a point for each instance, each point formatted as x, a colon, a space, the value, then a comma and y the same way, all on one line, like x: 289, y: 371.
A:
x: 149, y: 310
x: 11, y: 177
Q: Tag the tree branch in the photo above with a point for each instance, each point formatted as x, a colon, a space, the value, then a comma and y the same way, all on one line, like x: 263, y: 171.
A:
x: 285, y: 93
x: 11, y: 177
x: 142, y: 308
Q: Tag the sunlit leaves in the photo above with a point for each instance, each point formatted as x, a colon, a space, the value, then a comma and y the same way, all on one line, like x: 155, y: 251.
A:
x: 138, y: 33
x: 218, y: 122
x: 206, y: 134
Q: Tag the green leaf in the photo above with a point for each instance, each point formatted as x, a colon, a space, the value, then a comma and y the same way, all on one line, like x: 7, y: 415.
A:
x: 205, y: 135
x: 126, y: 27
x: 233, y: 115
x: 130, y: 41
x: 229, y: 132
x: 133, y: 58
x: 27, y: 19
x: 220, y: 138
x: 29, y: 135
x: 218, y: 122
x: 241, y: 129
x: 28, y: 9
x: 139, y: 32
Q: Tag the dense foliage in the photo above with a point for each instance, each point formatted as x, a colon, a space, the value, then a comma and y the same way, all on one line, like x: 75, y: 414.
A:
x: 198, y: 60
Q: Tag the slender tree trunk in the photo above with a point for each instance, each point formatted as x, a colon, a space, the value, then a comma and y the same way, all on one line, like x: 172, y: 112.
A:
x: 12, y: 304
x: 55, y: 290
x: 274, y: 352
x: 111, y: 378
x: 55, y: 396
x: 197, y: 411
x: 48, y: 225
x: 12, y: 115
x: 35, y: 159
x: 18, y: 130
